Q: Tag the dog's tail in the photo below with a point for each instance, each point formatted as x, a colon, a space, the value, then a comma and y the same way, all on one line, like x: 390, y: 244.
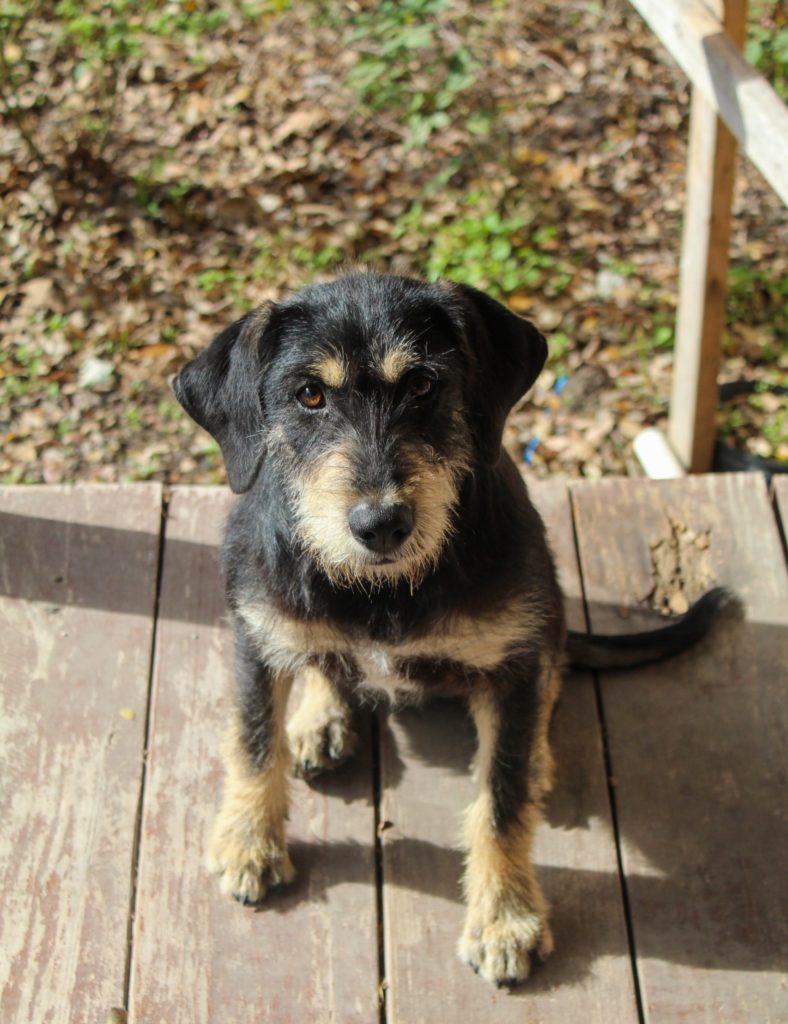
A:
x: 592, y: 651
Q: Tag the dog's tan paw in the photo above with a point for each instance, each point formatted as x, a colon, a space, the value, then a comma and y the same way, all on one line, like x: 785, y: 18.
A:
x: 320, y: 741
x: 247, y: 870
x: 501, y: 950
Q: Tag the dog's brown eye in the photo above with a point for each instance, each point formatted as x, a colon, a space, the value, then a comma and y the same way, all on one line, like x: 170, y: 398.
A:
x: 311, y: 397
x: 420, y: 385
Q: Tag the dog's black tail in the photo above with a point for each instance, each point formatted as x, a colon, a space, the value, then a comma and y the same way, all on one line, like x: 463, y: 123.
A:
x: 591, y: 651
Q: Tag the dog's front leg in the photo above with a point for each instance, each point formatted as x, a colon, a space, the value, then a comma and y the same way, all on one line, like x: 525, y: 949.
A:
x: 321, y: 730
x: 247, y: 848
x: 507, y: 914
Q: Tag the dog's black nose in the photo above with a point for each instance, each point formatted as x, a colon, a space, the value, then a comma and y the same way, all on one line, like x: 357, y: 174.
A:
x: 381, y: 528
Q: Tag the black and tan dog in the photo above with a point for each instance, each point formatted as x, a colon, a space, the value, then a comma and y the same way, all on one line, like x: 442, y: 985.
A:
x: 385, y: 542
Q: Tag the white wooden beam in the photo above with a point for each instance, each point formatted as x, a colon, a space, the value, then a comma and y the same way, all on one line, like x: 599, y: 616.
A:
x: 656, y: 456
x: 698, y: 42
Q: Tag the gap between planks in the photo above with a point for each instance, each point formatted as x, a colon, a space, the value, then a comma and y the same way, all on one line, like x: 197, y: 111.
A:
x: 165, y: 502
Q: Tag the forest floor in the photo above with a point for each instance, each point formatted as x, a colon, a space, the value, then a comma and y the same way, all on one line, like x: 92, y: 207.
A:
x: 165, y: 166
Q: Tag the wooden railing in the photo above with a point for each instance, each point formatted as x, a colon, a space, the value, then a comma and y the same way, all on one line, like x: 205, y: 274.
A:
x: 730, y: 102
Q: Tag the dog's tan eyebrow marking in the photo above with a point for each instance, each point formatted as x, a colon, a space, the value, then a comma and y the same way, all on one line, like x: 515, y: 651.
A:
x: 332, y: 370
x: 393, y: 363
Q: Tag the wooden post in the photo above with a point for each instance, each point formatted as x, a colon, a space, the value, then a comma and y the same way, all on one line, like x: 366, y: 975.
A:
x: 703, y: 272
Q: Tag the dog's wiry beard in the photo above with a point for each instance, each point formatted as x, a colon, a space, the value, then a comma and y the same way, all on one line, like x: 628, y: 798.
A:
x: 323, y: 497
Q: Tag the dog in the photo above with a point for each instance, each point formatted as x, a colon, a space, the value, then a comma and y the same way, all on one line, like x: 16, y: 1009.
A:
x: 384, y: 542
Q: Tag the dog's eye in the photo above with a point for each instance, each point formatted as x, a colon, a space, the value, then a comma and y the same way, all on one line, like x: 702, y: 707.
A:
x: 311, y: 397
x: 420, y: 385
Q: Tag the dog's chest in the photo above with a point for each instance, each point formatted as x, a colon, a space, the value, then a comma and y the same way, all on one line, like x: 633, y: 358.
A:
x: 378, y: 669
x: 394, y: 667
x: 289, y: 644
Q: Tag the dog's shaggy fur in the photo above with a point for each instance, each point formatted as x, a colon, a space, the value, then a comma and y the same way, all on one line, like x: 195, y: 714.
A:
x: 385, y: 542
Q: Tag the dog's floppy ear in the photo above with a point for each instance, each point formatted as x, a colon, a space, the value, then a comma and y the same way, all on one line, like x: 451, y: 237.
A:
x: 220, y: 390
x: 509, y: 353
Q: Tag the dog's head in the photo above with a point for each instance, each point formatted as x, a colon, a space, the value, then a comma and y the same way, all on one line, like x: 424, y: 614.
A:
x: 373, y: 396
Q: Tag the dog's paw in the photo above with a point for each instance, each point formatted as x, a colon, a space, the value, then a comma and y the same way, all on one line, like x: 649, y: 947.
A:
x: 320, y: 742
x: 248, y: 869
x: 501, y: 949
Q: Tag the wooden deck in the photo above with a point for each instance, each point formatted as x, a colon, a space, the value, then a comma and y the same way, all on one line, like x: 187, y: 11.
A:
x: 665, y: 847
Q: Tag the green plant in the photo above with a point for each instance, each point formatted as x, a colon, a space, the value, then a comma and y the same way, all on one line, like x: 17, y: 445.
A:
x: 560, y: 344
x: 318, y: 259
x: 759, y: 296
x: 22, y: 371
x: 486, y: 248
x: 145, y: 470
x: 133, y: 418
x: 16, y: 69
x: 13, y: 476
x: 65, y: 426
x: 407, y: 67
x: 56, y: 322
x: 145, y: 197
x: 215, y: 278
x: 94, y: 42
x: 767, y: 43
x: 775, y: 429
x: 100, y: 37
x: 29, y: 358
x: 662, y: 337
x: 170, y: 411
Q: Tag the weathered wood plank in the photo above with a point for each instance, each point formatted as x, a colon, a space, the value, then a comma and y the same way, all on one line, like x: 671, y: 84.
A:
x: 426, y: 785
x: 77, y: 594
x: 311, y: 953
x: 698, y: 744
x: 746, y: 102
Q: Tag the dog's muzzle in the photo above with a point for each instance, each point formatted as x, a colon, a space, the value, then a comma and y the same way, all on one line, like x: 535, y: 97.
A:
x: 381, y: 528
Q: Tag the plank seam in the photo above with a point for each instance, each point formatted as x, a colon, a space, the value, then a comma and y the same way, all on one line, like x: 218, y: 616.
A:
x: 782, y: 526
x: 379, y: 904
x: 134, y: 881
x: 609, y: 778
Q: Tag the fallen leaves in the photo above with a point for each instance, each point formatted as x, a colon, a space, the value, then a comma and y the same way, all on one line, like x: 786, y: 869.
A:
x: 238, y: 165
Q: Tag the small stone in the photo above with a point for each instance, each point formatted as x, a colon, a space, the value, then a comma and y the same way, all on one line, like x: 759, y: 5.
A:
x: 678, y: 603
x: 770, y: 403
x: 53, y: 465
x: 608, y: 282
x: 95, y: 372
x: 269, y: 202
x: 759, y: 446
